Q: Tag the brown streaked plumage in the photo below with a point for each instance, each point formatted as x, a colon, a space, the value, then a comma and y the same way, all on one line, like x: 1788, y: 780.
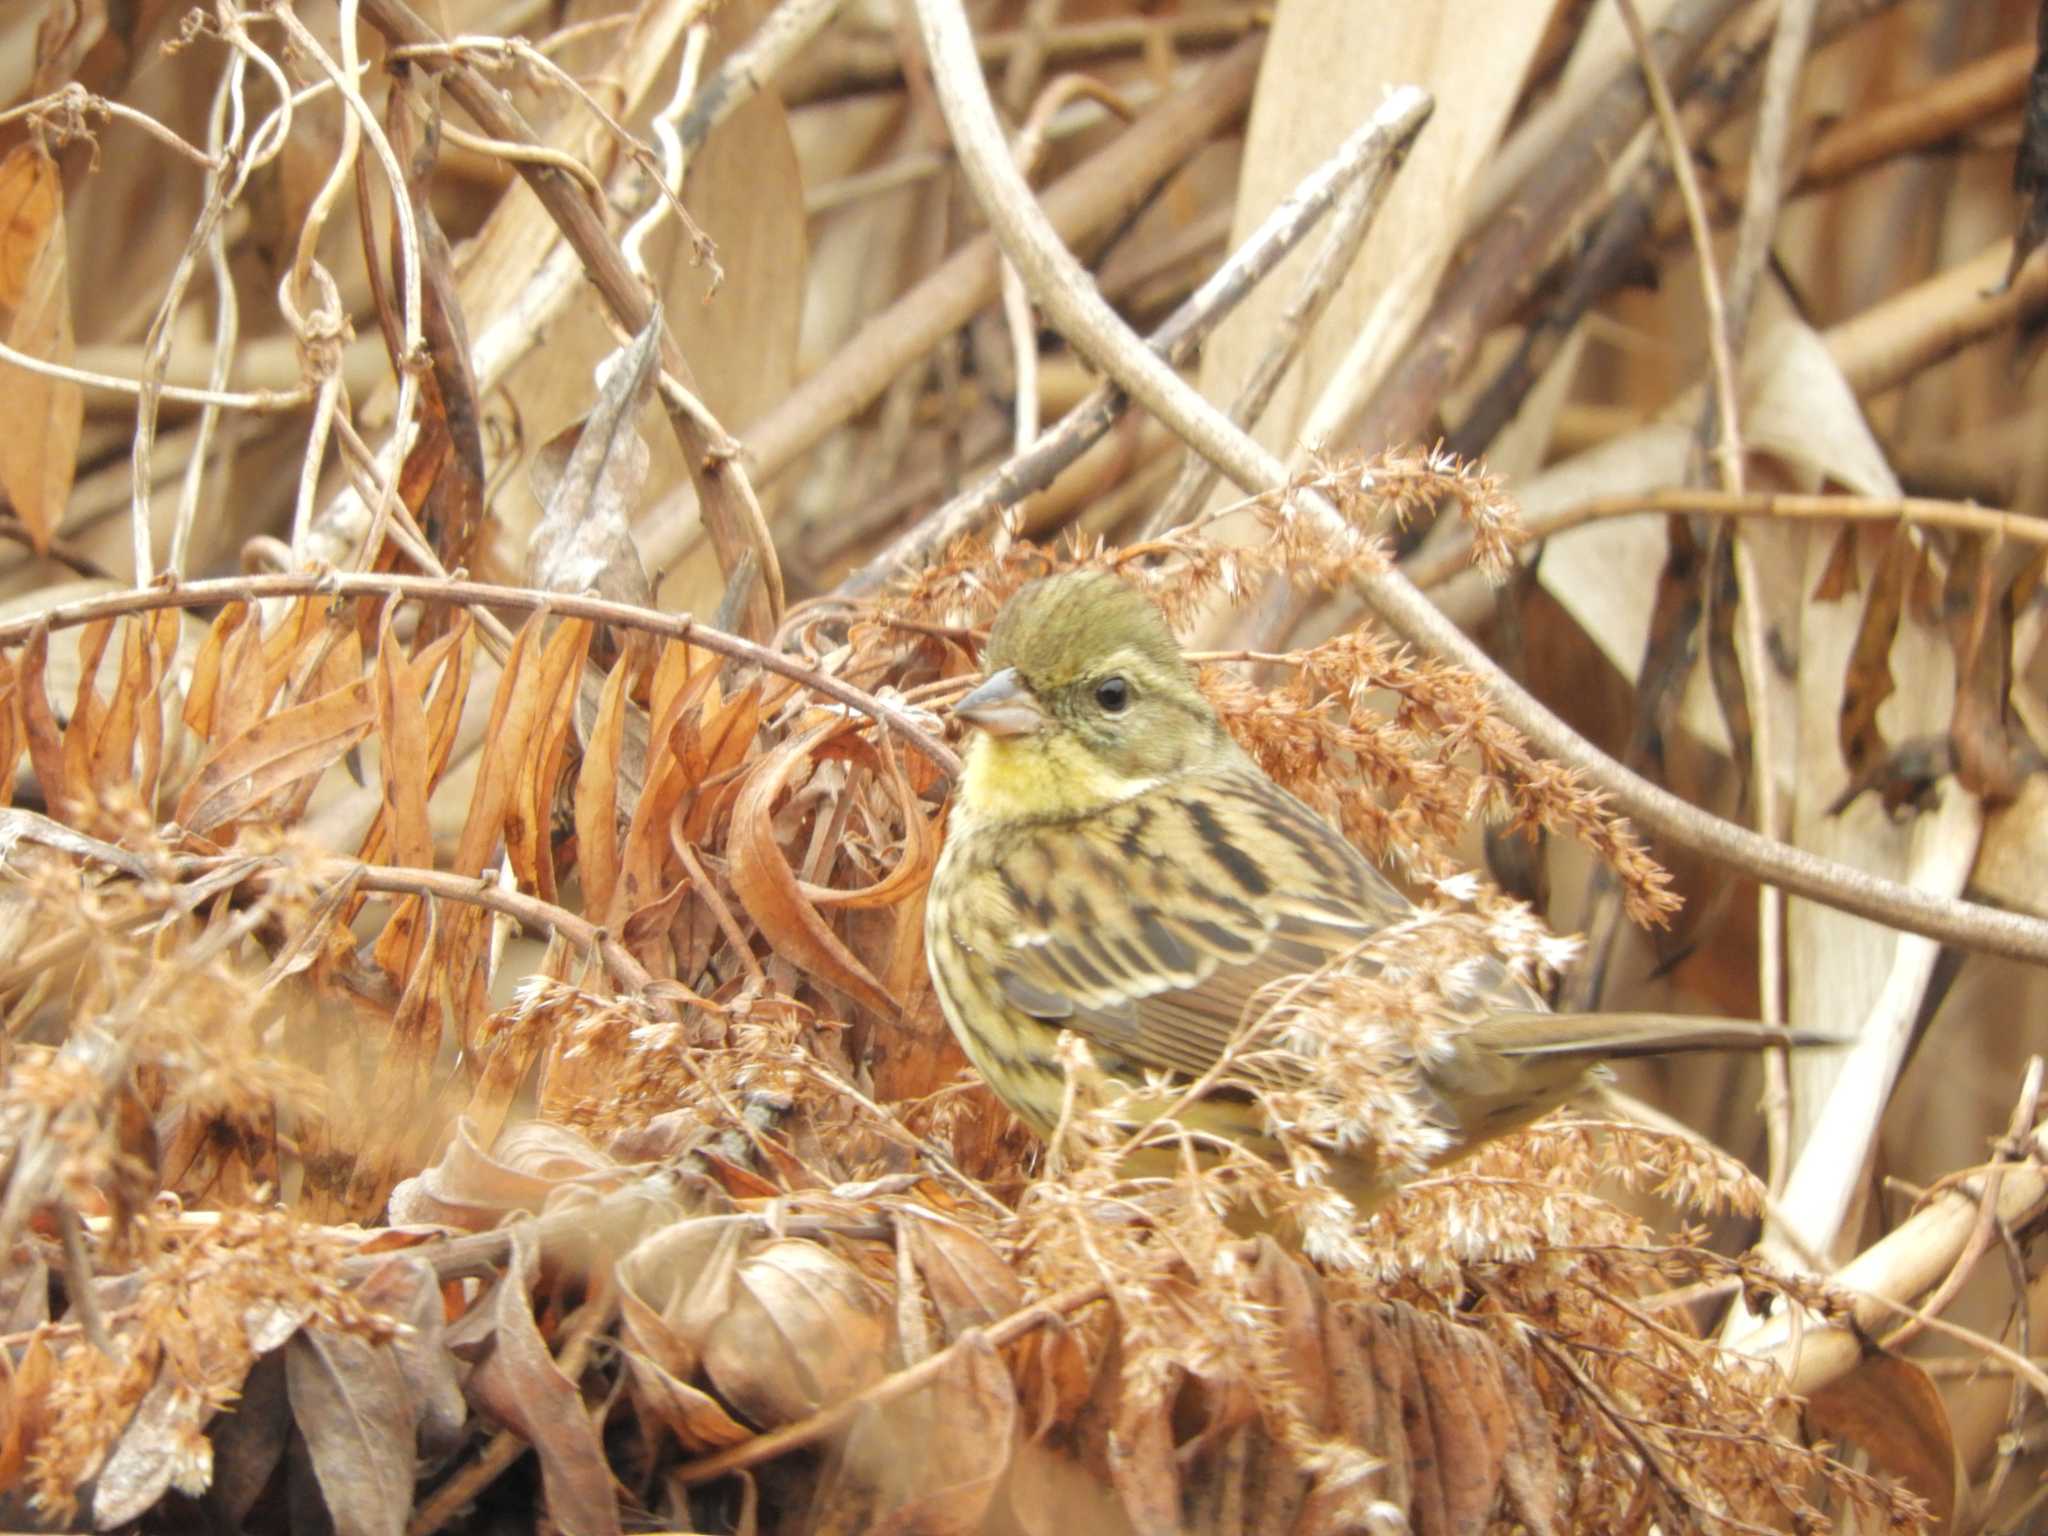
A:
x: 1115, y: 865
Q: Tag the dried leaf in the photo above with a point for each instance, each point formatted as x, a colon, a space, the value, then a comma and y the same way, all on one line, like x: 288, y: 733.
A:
x: 694, y: 1417
x: 24, y: 1408
x: 676, y: 1284
x: 584, y: 539
x: 402, y: 734
x: 514, y: 712
x: 1868, y: 681
x: 405, y: 1288
x: 249, y: 1440
x: 969, y: 1284
x: 767, y: 887
x: 349, y: 1400
x: 470, y: 1188
x: 529, y: 809
x: 275, y: 755
x: 44, y: 416
x: 45, y: 740
x: 597, y: 796
x: 31, y: 203
x: 451, y: 511
x: 164, y: 1446
x: 803, y: 1330
x: 1142, y: 1466
x: 1892, y: 1409
x: 2030, y: 161
x: 519, y: 1384
x: 1841, y: 575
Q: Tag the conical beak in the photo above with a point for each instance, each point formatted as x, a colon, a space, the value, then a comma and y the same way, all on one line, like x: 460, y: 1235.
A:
x: 1002, y: 706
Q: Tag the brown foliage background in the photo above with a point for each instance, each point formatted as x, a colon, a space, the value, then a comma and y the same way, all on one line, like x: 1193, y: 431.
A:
x: 468, y: 1056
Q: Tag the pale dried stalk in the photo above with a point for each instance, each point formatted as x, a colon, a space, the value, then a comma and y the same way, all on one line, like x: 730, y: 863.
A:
x: 1375, y: 146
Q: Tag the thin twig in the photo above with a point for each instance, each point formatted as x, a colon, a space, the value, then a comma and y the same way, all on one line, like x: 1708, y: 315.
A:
x: 2026, y: 1110
x: 1725, y: 326
x: 1728, y: 446
x: 1378, y: 142
x: 1906, y: 511
x: 730, y: 512
x: 1104, y: 188
x: 428, y: 589
x: 1349, y: 225
x: 1782, y: 69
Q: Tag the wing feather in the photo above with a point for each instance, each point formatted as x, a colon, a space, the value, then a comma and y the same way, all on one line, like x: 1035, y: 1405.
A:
x: 1215, y: 890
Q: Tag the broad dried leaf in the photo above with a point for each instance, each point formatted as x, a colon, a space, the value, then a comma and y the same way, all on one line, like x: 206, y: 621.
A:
x: 44, y: 416
x: 1470, y: 1419
x: 88, y: 709
x: 1052, y: 1492
x: 471, y: 1188
x: 1302, y: 109
x: 515, y: 710
x: 597, y: 796
x: 681, y: 682
x: 676, y: 1284
x: 519, y: 1384
x: 31, y: 204
x: 710, y: 747
x: 969, y: 1284
x: 349, y: 1400
x: 405, y: 1288
x: 696, y: 1418
x: 164, y: 1446
x: 803, y: 1331
x: 1892, y: 1409
x: 211, y: 688
x: 45, y: 739
x: 584, y: 539
x: 1532, y: 1470
x: 249, y: 1440
x: 275, y: 755
x: 402, y: 737
x: 768, y: 888
x: 529, y: 810
x: 746, y: 192
x: 1139, y: 1448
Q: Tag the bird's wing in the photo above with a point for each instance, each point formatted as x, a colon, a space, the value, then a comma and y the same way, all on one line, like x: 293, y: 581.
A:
x: 1149, y: 927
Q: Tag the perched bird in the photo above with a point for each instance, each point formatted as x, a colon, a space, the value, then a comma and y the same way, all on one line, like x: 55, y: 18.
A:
x: 1116, y: 865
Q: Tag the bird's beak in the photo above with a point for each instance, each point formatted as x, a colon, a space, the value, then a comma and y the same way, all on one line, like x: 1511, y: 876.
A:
x: 1002, y: 706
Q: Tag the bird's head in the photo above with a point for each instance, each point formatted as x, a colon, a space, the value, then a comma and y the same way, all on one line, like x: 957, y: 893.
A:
x: 1086, y: 702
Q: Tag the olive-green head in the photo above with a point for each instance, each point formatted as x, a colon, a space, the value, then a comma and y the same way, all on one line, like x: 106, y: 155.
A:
x: 1087, y: 698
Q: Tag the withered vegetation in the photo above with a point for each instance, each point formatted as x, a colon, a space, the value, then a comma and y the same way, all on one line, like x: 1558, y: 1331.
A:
x: 467, y: 1059
x: 759, y: 1189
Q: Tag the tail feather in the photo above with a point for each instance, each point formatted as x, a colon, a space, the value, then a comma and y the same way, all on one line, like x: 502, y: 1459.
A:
x: 1618, y: 1036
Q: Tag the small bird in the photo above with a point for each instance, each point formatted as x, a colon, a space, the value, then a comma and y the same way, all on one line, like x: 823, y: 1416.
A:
x: 1117, y: 866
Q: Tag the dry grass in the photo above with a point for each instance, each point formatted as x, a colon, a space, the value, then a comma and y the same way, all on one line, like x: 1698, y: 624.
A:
x: 468, y: 1057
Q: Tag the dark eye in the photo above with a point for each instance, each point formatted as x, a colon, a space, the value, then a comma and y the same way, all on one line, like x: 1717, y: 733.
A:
x: 1113, y: 693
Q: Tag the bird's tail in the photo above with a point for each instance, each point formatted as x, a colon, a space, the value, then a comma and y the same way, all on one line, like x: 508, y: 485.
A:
x: 1618, y: 1036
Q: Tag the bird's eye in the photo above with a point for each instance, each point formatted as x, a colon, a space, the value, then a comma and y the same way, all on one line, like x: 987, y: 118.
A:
x: 1113, y: 694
